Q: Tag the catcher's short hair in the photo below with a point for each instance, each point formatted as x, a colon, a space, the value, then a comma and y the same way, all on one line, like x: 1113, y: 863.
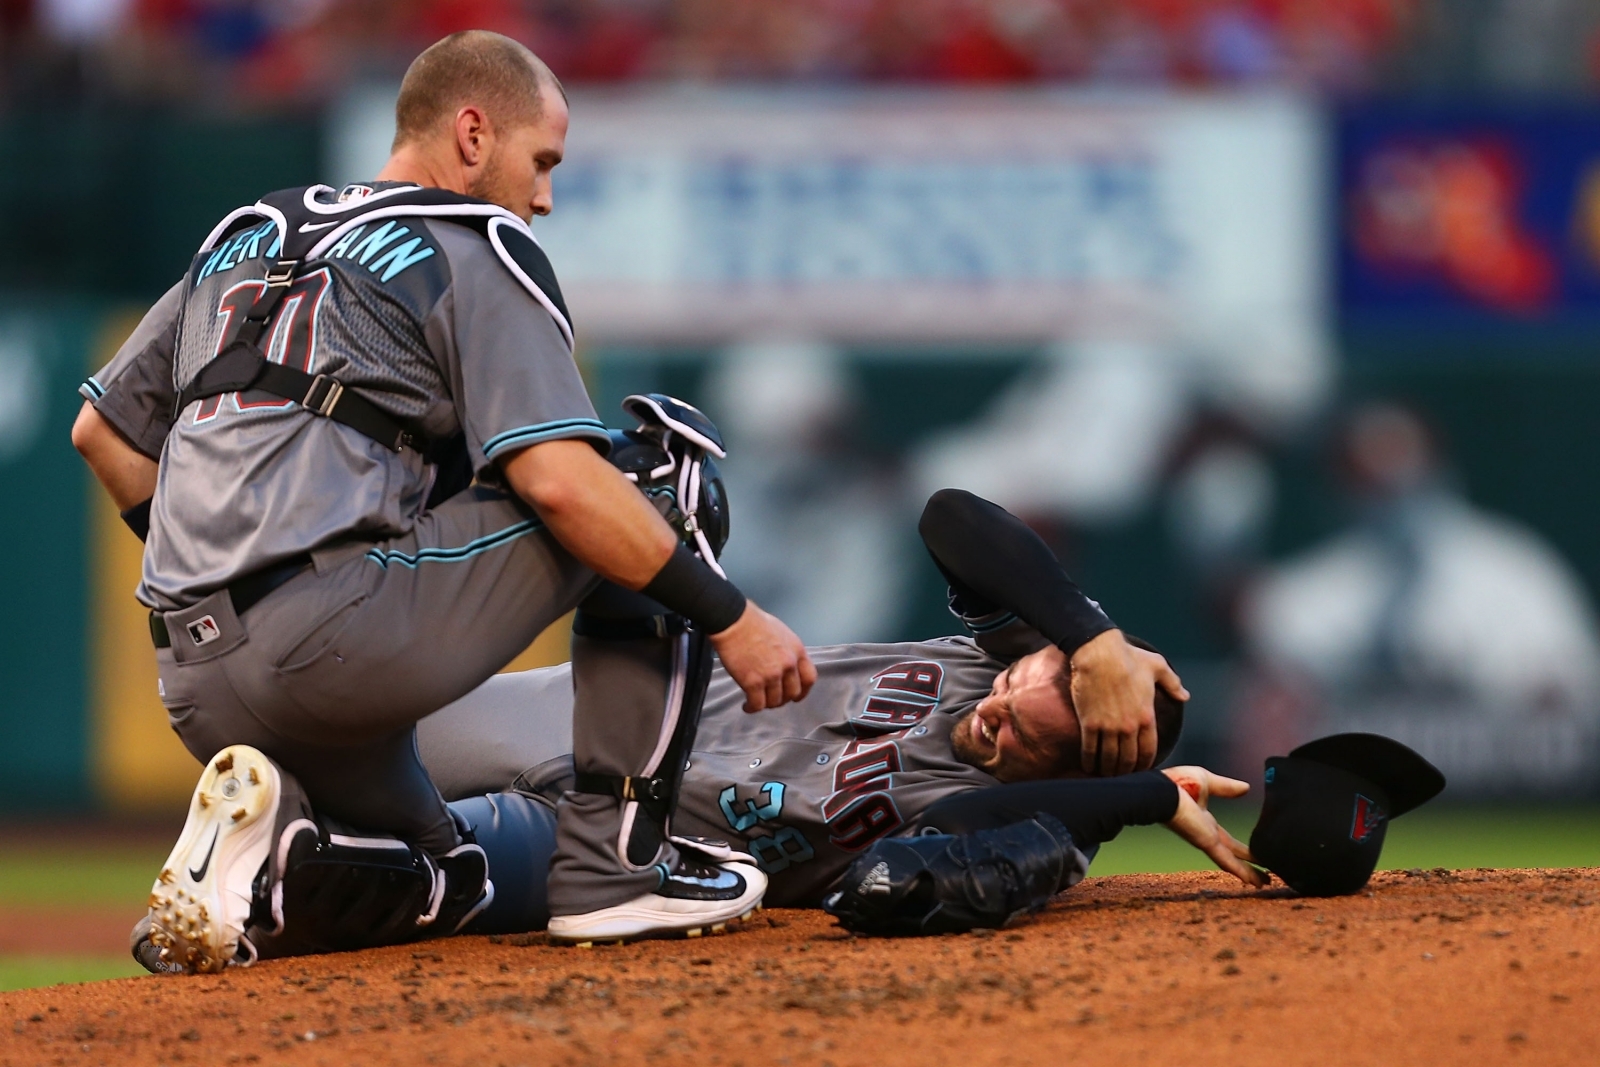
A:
x: 473, y: 67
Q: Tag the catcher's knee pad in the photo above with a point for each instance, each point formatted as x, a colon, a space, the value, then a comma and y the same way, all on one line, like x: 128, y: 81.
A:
x: 943, y: 883
x: 671, y: 457
x: 331, y: 892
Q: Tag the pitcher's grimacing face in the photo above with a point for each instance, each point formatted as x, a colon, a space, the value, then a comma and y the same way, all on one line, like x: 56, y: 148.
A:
x: 1019, y: 732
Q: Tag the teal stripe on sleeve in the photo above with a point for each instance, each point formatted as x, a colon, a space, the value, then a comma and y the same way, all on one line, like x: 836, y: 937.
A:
x: 986, y: 624
x: 544, y: 431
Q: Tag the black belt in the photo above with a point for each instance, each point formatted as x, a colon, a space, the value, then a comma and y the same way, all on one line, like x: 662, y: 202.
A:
x: 245, y: 593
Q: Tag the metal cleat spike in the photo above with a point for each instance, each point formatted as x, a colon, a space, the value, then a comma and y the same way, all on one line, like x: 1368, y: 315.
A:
x: 167, y: 877
x: 241, y: 813
x: 695, y: 932
x: 719, y: 928
x: 205, y: 801
x: 255, y: 776
x: 225, y: 763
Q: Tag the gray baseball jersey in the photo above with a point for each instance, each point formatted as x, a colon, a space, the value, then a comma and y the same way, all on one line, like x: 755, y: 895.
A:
x: 805, y: 787
x: 418, y: 315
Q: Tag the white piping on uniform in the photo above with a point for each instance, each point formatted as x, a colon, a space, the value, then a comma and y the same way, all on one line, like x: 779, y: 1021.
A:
x: 518, y: 273
x: 282, y: 223
x: 675, y: 691
x: 350, y: 205
x: 402, y: 211
x: 228, y: 220
x: 368, y: 842
x: 285, y: 839
x: 674, y: 709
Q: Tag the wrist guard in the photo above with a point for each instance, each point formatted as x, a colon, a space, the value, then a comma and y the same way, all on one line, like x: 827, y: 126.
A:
x: 687, y: 585
x: 945, y: 884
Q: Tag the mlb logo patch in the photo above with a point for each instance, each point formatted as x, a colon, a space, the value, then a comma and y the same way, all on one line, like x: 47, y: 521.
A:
x: 204, y: 630
x: 1368, y: 817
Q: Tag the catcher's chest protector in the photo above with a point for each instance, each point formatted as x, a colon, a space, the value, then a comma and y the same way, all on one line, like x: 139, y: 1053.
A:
x: 361, y: 225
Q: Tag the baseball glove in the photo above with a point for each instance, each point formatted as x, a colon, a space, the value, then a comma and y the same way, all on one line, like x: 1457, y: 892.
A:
x: 945, y: 883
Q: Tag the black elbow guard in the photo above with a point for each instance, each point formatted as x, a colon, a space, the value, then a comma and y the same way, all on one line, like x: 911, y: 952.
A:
x: 946, y: 884
x: 138, y: 519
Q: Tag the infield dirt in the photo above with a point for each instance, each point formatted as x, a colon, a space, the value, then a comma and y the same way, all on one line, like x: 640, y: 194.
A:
x: 1436, y: 967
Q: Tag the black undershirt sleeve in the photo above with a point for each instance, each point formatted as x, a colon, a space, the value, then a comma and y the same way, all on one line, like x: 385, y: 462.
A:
x: 993, y: 562
x: 1094, y: 809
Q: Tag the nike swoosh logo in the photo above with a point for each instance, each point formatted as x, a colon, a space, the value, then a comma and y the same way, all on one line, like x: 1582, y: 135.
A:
x: 723, y: 880
x: 206, y: 866
x: 307, y: 227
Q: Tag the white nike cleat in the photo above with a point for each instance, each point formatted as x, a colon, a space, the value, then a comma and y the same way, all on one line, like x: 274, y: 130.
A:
x: 200, y: 904
x: 696, y: 897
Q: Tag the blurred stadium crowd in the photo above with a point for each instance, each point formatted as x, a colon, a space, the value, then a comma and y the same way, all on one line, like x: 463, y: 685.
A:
x: 253, y: 52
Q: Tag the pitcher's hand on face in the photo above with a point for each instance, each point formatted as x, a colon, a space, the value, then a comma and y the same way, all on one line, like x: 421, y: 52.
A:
x: 1113, y: 691
x: 765, y: 659
x: 1196, y: 825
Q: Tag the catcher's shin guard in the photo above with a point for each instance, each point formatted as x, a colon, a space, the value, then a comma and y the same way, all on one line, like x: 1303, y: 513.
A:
x: 943, y: 883
x: 669, y: 456
x: 650, y: 795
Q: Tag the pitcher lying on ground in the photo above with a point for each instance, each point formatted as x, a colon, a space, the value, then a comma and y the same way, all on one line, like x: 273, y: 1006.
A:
x: 956, y: 735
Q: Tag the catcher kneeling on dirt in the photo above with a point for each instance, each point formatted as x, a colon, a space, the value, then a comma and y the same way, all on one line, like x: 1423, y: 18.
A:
x: 920, y: 787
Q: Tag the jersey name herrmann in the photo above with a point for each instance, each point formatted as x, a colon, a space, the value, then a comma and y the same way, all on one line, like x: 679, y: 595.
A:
x: 435, y: 323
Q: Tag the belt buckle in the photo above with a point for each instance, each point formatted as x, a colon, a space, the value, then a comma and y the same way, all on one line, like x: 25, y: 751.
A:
x: 330, y: 399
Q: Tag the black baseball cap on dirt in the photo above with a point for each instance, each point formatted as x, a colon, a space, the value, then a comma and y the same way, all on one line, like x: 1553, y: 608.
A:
x: 1327, y: 806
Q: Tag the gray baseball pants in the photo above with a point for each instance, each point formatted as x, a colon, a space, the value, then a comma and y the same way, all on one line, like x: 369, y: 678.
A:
x: 329, y: 674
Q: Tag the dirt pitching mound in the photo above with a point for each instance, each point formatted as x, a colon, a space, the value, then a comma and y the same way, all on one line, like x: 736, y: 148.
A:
x: 1428, y: 967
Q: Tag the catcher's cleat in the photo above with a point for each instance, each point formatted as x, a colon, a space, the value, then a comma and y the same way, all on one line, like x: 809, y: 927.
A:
x: 201, y: 902
x: 695, y: 898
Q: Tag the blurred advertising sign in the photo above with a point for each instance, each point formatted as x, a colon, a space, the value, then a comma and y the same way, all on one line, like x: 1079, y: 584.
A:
x: 1469, y: 217
x: 702, y: 215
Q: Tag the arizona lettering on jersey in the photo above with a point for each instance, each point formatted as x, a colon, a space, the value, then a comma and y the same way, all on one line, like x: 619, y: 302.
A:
x: 806, y: 787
